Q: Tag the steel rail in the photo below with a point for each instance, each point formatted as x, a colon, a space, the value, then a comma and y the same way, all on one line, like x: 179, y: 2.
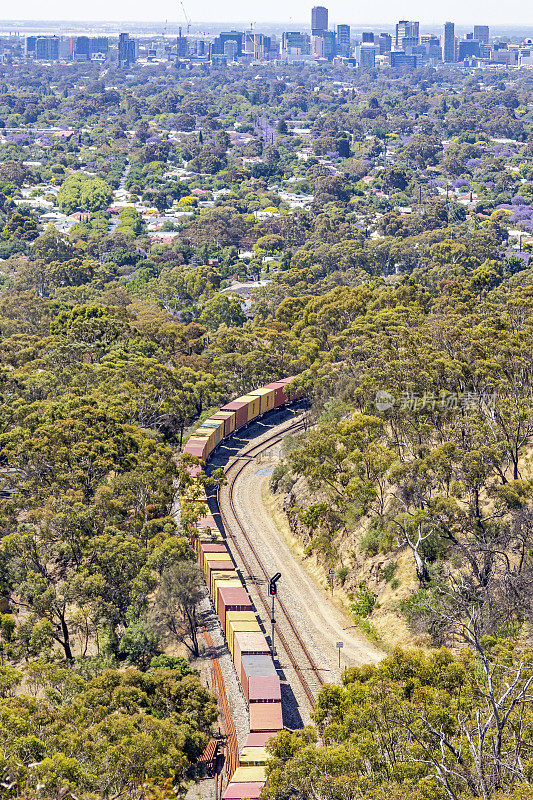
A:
x: 266, y: 444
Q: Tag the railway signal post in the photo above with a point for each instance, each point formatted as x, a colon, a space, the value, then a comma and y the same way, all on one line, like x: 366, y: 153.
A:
x: 273, y: 590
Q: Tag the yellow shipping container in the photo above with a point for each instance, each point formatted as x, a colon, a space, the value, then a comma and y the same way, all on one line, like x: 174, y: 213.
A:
x: 249, y: 775
x: 217, y: 575
x: 253, y: 757
x: 266, y: 397
x: 229, y: 416
x: 254, y: 405
x: 209, y: 433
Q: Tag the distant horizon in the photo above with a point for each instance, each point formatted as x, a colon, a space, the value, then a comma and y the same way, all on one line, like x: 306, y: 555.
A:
x: 244, y: 23
x: 276, y: 12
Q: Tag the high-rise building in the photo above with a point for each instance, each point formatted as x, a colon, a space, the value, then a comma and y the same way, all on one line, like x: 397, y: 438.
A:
x: 385, y: 43
x: 367, y: 55
x: 219, y: 43
x: 294, y: 43
x: 448, y: 45
x: 343, y: 40
x: 319, y: 20
x: 323, y: 45
x: 127, y: 50
x: 432, y: 46
x: 407, y: 35
x: 481, y: 33
x: 468, y: 48
x: 47, y: 48
x: 182, y: 46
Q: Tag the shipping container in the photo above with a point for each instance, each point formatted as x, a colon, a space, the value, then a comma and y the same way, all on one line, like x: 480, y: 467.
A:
x: 246, y: 643
x: 218, y: 574
x: 237, y: 625
x: 248, y: 775
x: 280, y: 398
x: 216, y: 561
x: 265, y: 717
x: 243, y: 791
x: 220, y: 583
x: 234, y: 616
x: 293, y: 395
x: 228, y: 418
x: 231, y: 600
x: 264, y: 690
x: 266, y: 397
x: 260, y: 667
x: 254, y: 405
x: 210, y: 547
x: 258, y: 739
x: 197, y: 447
x: 206, y: 433
x: 217, y: 425
x: 253, y: 756
x: 241, y: 412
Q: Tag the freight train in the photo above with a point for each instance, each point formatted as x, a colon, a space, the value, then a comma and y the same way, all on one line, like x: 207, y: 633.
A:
x: 246, y: 642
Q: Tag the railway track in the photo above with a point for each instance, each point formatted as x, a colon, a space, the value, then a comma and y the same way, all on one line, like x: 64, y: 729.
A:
x: 286, y: 631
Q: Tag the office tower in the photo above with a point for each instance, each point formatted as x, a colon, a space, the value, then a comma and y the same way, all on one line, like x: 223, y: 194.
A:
x: 432, y: 47
x: 230, y: 49
x: 343, y: 40
x: 385, y: 43
x: 468, y: 48
x: 295, y: 43
x: 481, y: 33
x: 407, y: 35
x: 127, y: 50
x: 99, y: 44
x: 367, y: 55
x: 324, y: 45
x: 448, y: 47
x: 30, y: 45
x: 82, y: 48
x: 228, y: 36
x: 47, y: 48
x: 368, y: 37
x: 319, y: 20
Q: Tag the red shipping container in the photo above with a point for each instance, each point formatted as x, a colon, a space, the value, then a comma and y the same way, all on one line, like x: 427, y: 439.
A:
x: 280, y: 398
x: 208, y: 547
x: 241, y: 412
x: 264, y: 690
x: 266, y: 717
x: 218, y: 566
x: 259, y: 739
x: 260, y: 666
x: 240, y: 791
x: 207, y: 522
x: 227, y: 422
x: 248, y: 643
x: 232, y: 599
x: 197, y: 448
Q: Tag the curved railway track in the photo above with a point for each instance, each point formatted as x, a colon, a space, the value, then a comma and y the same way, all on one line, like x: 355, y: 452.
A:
x: 286, y: 631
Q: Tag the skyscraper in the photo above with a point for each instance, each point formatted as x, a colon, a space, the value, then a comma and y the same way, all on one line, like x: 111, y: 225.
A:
x: 319, y: 20
x: 343, y: 40
x: 407, y: 35
x: 481, y: 33
x: 448, y: 47
x: 127, y: 50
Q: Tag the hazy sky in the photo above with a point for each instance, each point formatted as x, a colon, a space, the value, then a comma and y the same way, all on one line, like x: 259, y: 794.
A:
x: 510, y: 12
